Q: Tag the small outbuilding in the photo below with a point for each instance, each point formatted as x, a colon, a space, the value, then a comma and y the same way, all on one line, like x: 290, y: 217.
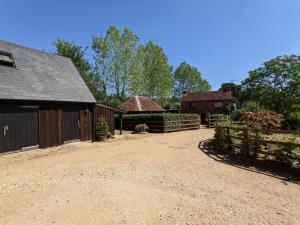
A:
x: 43, y: 100
x: 141, y: 104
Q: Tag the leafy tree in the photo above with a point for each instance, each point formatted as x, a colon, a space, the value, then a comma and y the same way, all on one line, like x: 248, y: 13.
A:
x: 77, y: 54
x: 156, y: 75
x: 115, y: 55
x: 138, y: 78
x: 275, y: 85
x: 188, y: 78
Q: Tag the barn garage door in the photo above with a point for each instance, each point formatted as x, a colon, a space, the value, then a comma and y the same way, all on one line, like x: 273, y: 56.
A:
x: 18, y: 128
x: 71, y: 124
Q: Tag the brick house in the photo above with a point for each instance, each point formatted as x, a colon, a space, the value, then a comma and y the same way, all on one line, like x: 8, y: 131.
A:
x: 206, y: 102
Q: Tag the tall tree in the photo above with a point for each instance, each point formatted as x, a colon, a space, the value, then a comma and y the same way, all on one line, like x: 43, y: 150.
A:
x: 234, y: 88
x: 156, y: 73
x: 115, y: 55
x: 188, y: 78
x: 275, y: 85
x: 77, y: 54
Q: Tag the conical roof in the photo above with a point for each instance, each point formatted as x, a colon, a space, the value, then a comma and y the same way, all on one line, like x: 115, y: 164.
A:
x: 141, y: 104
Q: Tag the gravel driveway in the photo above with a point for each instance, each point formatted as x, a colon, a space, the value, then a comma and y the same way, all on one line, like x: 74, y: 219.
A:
x: 144, y: 179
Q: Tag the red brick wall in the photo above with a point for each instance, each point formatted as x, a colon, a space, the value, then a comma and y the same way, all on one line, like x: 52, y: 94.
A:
x: 203, y: 107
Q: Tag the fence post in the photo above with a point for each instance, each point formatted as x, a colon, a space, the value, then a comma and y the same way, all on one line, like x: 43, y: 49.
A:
x: 246, y: 142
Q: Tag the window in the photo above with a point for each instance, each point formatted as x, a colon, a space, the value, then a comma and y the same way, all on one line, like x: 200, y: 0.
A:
x: 218, y: 104
x: 6, y: 59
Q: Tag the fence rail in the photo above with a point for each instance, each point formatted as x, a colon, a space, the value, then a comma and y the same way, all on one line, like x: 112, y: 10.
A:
x: 253, y: 143
x: 214, y: 119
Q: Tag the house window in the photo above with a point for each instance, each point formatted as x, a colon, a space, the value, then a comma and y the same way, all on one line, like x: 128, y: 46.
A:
x: 218, y: 105
x: 6, y: 59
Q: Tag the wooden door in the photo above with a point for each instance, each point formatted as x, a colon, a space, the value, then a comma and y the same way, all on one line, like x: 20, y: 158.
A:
x: 10, y: 133
x: 71, y: 124
x: 85, y: 125
x: 29, y: 131
x: 18, y: 128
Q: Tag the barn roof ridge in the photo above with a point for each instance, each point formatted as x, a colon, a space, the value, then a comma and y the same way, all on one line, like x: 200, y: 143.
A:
x: 42, y: 76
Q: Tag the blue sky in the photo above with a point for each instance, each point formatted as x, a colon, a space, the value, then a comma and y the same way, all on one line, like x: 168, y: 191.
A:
x: 223, y: 39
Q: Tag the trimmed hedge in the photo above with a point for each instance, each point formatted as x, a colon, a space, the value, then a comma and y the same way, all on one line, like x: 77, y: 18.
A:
x: 161, y: 122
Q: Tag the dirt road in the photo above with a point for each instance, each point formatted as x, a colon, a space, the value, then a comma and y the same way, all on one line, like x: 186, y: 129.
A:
x: 150, y: 179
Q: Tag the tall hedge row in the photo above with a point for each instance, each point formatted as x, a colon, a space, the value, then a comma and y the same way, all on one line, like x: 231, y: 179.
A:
x: 162, y: 122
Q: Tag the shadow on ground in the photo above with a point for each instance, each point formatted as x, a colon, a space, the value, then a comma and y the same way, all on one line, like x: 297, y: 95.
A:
x: 284, y: 174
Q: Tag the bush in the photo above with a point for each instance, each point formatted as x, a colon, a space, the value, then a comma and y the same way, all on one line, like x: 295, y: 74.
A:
x: 141, y: 127
x: 250, y: 106
x: 292, y: 120
x: 102, y: 128
x: 160, y: 122
x: 265, y: 119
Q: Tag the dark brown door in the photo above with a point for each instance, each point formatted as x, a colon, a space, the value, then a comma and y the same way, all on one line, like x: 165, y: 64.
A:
x: 18, y: 128
x: 71, y: 124
x: 29, y: 117
x: 85, y: 125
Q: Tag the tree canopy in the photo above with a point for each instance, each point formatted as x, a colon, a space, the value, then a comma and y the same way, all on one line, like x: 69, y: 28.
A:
x: 274, y: 85
x: 123, y: 66
x: 115, y: 55
x: 77, y: 54
x: 188, y: 78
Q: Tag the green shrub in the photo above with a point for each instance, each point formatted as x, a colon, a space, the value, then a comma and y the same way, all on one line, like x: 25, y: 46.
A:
x: 250, y: 106
x: 102, y: 128
x: 168, y: 121
x: 292, y: 120
x: 161, y: 117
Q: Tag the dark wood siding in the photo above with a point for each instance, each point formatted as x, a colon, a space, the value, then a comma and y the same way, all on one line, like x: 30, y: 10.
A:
x: 32, y: 123
x: 71, y: 123
x: 30, y: 128
x: 18, y: 128
x: 50, y: 126
x: 108, y: 114
x: 86, y: 127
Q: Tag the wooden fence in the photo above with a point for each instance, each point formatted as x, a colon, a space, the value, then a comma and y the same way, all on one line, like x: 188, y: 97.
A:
x: 257, y: 143
x: 214, y: 119
x: 161, y: 126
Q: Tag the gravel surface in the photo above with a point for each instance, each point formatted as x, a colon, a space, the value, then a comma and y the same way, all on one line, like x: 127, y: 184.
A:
x: 142, y: 179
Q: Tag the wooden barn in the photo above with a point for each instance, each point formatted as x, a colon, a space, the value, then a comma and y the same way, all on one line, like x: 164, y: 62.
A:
x: 203, y: 103
x: 109, y: 114
x: 141, y: 104
x: 43, y: 100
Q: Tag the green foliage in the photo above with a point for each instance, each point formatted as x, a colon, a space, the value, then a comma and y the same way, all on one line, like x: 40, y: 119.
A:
x: 161, y: 116
x: 102, y: 128
x: 156, y: 75
x: 275, y: 85
x: 292, y: 118
x: 115, y: 56
x: 188, y: 78
x: 249, y: 106
x: 77, y: 54
x: 234, y: 88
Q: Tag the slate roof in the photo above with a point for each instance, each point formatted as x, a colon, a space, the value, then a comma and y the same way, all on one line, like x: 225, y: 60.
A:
x: 141, y: 104
x: 206, y: 96
x: 41, y: 76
